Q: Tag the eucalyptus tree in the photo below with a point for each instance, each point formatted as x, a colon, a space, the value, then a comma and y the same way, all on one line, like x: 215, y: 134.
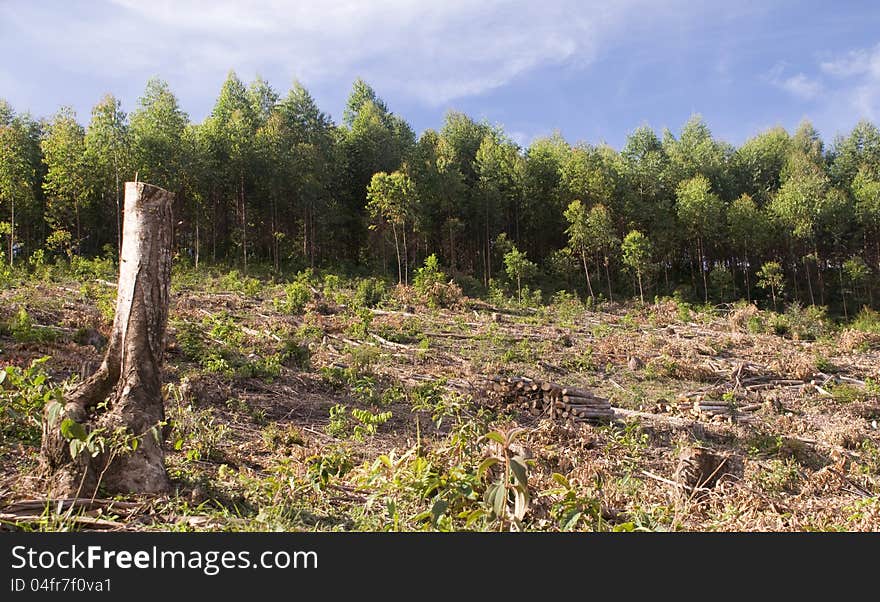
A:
x: 107, y: 147
x: 637, y: 250
x: 155, y: 129
x: 700, y: 212
x: 19, y: 172
x: 68, y: 177
x: 391, y: 198
x: 748, y: 230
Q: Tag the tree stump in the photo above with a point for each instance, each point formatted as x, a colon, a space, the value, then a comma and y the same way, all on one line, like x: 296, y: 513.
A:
x: 700, y: 469
x: 120, y: 406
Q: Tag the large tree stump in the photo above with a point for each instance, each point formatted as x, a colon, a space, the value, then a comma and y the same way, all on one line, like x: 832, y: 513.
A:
x: 123, y: 397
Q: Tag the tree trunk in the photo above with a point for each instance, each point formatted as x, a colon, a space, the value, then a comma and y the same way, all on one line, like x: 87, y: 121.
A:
x: 608, y: 279
x: 397, y: 250
x: 405, y: 258
x: 122, y: 400
x: 809, y: 281
x: 12, y: 232
x: 703, y: 272
x: 243, y: 224
x: 641, y: 294
x: 587, y: 273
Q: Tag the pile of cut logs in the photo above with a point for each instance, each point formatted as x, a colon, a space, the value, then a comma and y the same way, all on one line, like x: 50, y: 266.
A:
x: 549, y: 399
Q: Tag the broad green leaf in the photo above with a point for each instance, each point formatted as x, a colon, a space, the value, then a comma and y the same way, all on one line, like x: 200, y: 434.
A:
x: 500, y: 499
x: 76, y: 446
x: 518, y: 467
x: 571, y: 519
x: 495, y: 436
x: 624, y: 528
x: 71, y: 429
x: 561, y: 479
x: 485, y: 465
x: 54, y: 412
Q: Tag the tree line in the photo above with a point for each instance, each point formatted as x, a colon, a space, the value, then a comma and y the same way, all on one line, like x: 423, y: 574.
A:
x: 272, y: 179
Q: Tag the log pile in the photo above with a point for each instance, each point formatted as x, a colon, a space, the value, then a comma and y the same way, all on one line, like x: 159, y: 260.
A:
x: 723, y: 410
x: 548, y: 399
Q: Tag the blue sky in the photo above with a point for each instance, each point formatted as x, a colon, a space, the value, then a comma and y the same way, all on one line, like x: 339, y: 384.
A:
x: 593, y: 70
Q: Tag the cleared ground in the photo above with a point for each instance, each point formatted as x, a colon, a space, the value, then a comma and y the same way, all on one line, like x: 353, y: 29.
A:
x: 284, y: 415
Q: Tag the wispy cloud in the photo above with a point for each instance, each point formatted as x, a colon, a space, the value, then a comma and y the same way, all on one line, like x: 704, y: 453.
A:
x: 433, y: 52
x: 798, y: 85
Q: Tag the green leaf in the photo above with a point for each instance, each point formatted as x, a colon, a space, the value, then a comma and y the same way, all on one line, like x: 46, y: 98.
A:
x: 134, y: 443
x: 71, y: 429
x: 518, y: 467
x: 178, y: 444
x: 624, y: 528
x: 474, y: 516
x: 561, y: 480
x: 486, y: 465
x: 571, y: 519
x: 53, y: 412
x: 3, y: 375
x: 500, y: 499
x: 495, y: 436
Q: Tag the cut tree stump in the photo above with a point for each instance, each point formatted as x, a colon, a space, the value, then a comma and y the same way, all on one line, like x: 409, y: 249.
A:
x: 700, y: 468
x: 122, y: 400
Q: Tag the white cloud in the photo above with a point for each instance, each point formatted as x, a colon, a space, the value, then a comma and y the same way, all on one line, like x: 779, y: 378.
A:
x: 798, y: 85
x: 856, y: 62
x: 434, y: 52
x: 857, y: 82
x: 801, y: 86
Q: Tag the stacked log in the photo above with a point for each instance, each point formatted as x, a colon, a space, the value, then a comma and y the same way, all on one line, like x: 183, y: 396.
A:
x: 549, y: 399
x: 724, y: 411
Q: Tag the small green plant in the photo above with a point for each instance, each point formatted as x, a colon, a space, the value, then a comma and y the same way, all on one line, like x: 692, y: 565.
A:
x: 368, y: 422
x: 432, y: 285
x: 233, y: 281
x: 571, y: 509
x: 507, y: 497
x: 196, y: 432
x: 322, y: 468
x: 296, y: 296
x: 369, y: 293
x: 339, y: 424
x: 23, y: 394
x: 867, y: 320
x: 779, y: 475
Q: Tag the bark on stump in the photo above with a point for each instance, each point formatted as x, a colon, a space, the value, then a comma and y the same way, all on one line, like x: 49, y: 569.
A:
x: 128, y: 379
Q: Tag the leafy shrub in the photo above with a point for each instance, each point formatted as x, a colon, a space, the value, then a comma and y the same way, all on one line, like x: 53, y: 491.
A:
x: 234, y: 281
x: 296, y: 296
x: 370, y: 292
x: 23, y: 329
x: 867, y: 320
x: 807, y: 323
x: 432, y: 285
x: 23, y: 393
